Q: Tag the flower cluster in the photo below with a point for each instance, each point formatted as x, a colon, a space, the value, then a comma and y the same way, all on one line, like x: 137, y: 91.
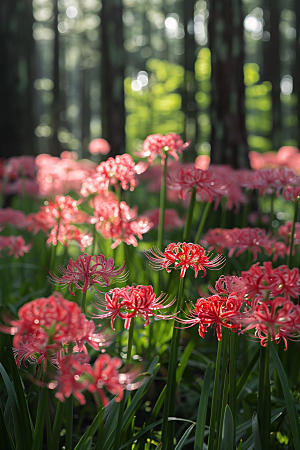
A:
x: 15, y: 245
x: 158, y: 145
x: 89, y: 270
x: 183, y: 255
x: 132, y: 301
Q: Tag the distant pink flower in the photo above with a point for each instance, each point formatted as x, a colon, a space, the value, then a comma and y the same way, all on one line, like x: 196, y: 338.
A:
x: 99, y: 146
x: 214, y: 310
x: 130, y: 302
x: 270, y: 180
x: 159, y: 145
x: 89, y: 270
x: 13, y: 217
x: 19, y: 166
x: 292, y: 192
x: 231, y: 284
x: 171, y: 220
x: 202, y: 162
x: 183, y: 256
x: 15, y: 244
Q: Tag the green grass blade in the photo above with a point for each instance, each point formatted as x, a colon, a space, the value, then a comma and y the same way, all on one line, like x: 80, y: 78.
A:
x: 290, y: 405
x: 87, y: 437
x: 202, y: 409
x: 184, y: 360
x: 14, y: 407
x: 228, y: 430
x: 184, y: 437
x: 256, y: 433
x: 6, y: 440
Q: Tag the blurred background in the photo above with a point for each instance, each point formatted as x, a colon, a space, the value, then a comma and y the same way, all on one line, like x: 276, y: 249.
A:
x: 223, y: 74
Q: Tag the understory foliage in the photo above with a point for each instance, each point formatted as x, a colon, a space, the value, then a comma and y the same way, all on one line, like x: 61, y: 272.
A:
x: 149, y: 304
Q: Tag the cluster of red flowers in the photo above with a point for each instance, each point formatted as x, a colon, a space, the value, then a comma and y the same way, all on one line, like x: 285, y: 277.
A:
x: 42, y: 334
x: 132, y: 301
x: 57, y: 219
x: 18, y: 176
x: 15, y: 245
x: 158, y: 145
x: 89, y: 270
x: 183, y: 255
x: 117, y: 221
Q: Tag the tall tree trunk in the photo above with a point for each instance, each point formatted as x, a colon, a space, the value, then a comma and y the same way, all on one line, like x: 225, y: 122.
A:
x: 271, y: 68
x: 228, y: 134
x: 189, y: 88
x: 16, y: 78
x: 296, y: 78
x: 112, y: 76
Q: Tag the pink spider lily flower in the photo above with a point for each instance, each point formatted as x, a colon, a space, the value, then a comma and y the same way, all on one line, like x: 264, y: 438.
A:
x: 172, y: 219
x: 183, y: 256
x: 264, y: 280
x: 13, y: 217
x: 129, y: 302
x: 53, y: 320
x: 278, y: 318
x: 159, y: 145
x: 230, y: 284
x: 269, y: 180
x: 32, y: 349
x: 213, y: 310
x: 69, y: 379
x: 15, y: 244
x: 89, y: 270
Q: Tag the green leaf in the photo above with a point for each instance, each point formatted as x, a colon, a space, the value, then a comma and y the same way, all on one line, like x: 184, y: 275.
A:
x: 6, y: 440
x: 14, y: 407
x: 184, y: 437
x: 256, y: 434
x: 290, y: 405
x: 184, y: 360
x: 202, y: 409
x: 160, y: 446
x: 86, y: 440
x: 228, y: 430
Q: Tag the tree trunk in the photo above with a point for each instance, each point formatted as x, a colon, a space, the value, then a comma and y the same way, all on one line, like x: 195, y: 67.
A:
x: 228, y: 130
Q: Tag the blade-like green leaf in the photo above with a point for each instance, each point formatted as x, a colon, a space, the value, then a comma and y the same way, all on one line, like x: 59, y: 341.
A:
x: 160, y: 446
x: 228, y: 430
x: 202, y: 409
x: 14, y: 407
x: 86, y: 439
x: 184, y: 360
x: 247, y: 372
x: 184, y: 437
x: 6, y: 440
x: 290, y: 405
x: 256, y: 434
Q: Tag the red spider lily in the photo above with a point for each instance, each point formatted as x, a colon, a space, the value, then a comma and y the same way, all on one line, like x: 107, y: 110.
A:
x: 213, y: 310
x: 132, y: 301
x: 13, y: 217
x: 89, y: 270
x: 292, y: 192
x: 159, y: 145
x: 53, y: 320
x: 231, y: 284
x: 171, y: 219
x: 32, y: 348
x: 206, y: 184
x: 183, y: 255
x: 278, y: 318
x: 15, y: 244
x: 268, y: 180
x: 264, y: 280
x: 69, y: 379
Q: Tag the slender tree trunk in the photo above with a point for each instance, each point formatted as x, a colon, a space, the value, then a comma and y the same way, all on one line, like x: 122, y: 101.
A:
x: 228, y: 134
x: 189, y: 87
x: 271, y: 68
x: 296, y: 78
x: 112, y: 76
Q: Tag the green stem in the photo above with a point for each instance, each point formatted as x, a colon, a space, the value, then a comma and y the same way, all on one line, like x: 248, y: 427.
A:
x: 202, y: 222
x: 232, y: 377
x: 263, y: 401
x: 52, y: 258
x: 69, y: 423
x: 162, y: 205
x: 40, y: 419
x: 169, y: 408
x: 122, y: 402
x: 213, y: 414
x: 225, y: 345
x: 94, y: 241
x: 57, y: 426
x: 288, y: 263
x: 83, y: 300
x: 189, y: 218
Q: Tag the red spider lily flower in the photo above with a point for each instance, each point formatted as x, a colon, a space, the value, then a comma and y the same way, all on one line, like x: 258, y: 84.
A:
x: 213, y: 310
x: 15, y: 244
x: 278, y: 318
x: 183, y: 256
x: 13, y: 217
x: 292, y: 192
x: 99, y: 146
x: 89, y: 270
x: 206, y: 184
x: 130, y: 302
x: 69, y: 379
x: 32, y: 348
x: 264, y: 280
x: 159, y: 145
x: 268, y: 180
x: 53, y: 320
x: 171, y: 220
x: 231, y: 284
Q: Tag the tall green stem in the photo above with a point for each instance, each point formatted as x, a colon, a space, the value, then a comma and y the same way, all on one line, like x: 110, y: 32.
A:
x: 122, y: 403
x: 83, y: 300
x: 69, y: 424
x: 202, y: 222
x: 162, y: 205
x: 263, y: 401
x: 213, y: 414
x: 189, y: 218
x: 293, y: 233
x: 40, y: 419
x: 232, y: 377
x: 169, y: 408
